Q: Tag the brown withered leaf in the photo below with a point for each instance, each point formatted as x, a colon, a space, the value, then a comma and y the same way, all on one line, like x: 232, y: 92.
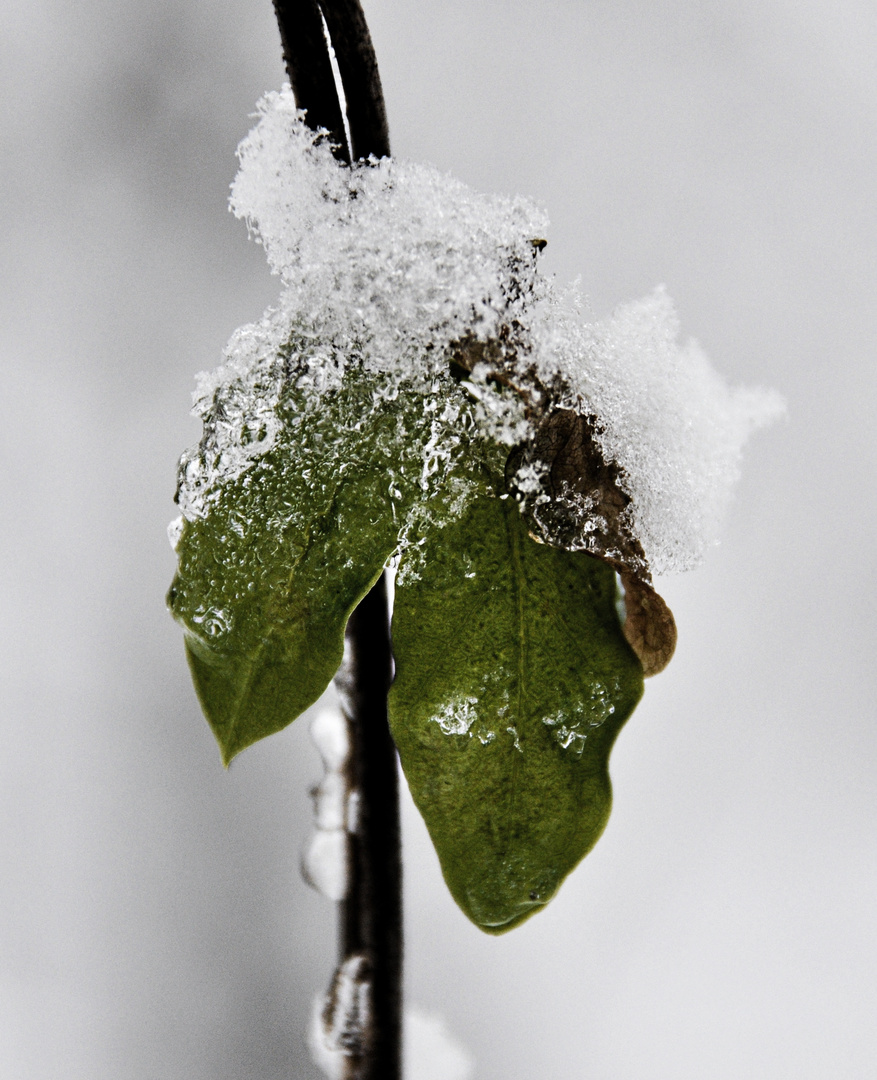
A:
x: 573, y: 497
x: 581, y: 506
x: 582, y: 502
x: 502, y: 357
x: 469, y: 350
x: 649, y: 626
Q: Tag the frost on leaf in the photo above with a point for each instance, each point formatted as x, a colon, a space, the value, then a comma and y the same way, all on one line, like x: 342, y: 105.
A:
x: 574, y: 495
x: 659, y: 415
x: 282, y: 550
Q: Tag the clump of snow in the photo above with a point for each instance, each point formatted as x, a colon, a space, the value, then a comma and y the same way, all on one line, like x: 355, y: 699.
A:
x: 383, y: 266
x: 395, y: 252
x: 339, y: 1020
x: 431, y: 1052
x: 392, y: 273
x: 664, y: 414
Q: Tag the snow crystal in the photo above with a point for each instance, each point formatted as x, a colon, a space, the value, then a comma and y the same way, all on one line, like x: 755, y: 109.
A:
x: 664, y: 415
x: 237, y: 404
x: 422, y: 302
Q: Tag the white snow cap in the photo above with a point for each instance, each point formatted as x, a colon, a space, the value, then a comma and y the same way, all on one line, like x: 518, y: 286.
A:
x: 663, y: 413
x: 401, y: 261
x: 393, y: 251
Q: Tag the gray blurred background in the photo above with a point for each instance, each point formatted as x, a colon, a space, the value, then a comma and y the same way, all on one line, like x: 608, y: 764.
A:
x: 154, y: 925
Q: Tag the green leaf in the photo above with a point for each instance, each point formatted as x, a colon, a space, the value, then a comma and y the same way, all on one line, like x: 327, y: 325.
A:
x: 268, y: 578
x: 269, y: 575
x: 513, y: 680
x: 265, y: 613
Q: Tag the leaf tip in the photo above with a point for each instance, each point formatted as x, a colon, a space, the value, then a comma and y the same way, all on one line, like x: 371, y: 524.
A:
x: 498, y: 929
x: 228, y: 754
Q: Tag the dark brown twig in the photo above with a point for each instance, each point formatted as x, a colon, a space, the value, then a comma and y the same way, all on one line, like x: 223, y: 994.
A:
x: 358, y: 67
x: 306, y: 55
x: 371, y: 915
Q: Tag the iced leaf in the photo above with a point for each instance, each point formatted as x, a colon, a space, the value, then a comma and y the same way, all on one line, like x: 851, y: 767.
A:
x: 414, y: 344
x: 513, y: 680
x: 265, y: 612
x: 281, y: 555
x: 574, y: 496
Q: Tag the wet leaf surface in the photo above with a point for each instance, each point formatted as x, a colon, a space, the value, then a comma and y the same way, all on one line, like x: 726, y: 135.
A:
x: 513, y: 680
x: 265, y: 610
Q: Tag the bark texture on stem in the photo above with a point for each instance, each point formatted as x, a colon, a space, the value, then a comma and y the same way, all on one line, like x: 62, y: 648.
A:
x: 306, y: 54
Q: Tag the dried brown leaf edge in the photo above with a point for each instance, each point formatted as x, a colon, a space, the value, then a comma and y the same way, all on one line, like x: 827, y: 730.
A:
x: 575, y: 497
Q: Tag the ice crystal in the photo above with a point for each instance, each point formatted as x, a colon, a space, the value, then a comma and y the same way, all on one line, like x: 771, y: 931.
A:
x: 572, y: 729
x: 237, y: 404
x: 456, y: 717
